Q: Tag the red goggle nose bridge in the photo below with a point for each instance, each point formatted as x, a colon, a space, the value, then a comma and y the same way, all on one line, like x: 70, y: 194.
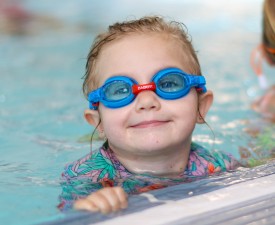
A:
x: 136, y: 89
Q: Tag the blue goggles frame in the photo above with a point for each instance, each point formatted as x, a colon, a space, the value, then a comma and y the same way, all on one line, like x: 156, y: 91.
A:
x: 189, y: 81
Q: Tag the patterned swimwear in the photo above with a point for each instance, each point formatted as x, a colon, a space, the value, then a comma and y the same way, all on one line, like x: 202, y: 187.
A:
x: 101, y: 168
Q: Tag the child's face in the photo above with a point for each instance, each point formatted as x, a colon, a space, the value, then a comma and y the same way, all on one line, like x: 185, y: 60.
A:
x: 149, y: 125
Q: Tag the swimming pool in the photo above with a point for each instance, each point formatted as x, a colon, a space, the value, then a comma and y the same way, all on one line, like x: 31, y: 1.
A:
x: 41, y: 103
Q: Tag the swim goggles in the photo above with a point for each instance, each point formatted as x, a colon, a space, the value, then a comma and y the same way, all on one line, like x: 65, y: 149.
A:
x: 169, y: 83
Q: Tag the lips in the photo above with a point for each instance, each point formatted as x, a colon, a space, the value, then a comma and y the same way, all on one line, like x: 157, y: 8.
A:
x: 149, y: 123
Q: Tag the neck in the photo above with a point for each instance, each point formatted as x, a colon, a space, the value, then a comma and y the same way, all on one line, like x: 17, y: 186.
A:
x: 168, y: 164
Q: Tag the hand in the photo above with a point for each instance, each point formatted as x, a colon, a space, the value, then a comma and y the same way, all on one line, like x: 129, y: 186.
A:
x: 106, y: 200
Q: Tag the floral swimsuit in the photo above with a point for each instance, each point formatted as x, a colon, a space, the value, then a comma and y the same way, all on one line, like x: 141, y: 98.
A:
x: 101, y: 168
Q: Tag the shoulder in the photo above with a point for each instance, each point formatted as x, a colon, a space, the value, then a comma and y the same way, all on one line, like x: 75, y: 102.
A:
x: 74, y: 168
x: 95, y: 166
x: 203, y: 162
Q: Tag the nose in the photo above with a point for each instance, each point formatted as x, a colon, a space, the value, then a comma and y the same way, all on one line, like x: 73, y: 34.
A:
x: 147, y: 100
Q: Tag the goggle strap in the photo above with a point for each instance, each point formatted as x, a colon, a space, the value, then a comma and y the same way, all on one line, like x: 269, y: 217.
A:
x: 136, y: 88
x: 200, y: 89
x: 94, y: 105
x: 94, y: 98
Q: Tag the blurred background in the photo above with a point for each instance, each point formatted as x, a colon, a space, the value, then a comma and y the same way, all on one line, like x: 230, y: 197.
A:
x: 43, y: 49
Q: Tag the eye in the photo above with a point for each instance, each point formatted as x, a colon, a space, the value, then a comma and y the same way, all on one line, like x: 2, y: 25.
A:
x: 117, y: 90
x: 171, y: 83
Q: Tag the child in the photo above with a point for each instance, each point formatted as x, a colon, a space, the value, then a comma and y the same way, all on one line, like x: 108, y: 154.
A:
x: 146, y: 93
x: 261, y: 147
x: 266, y: 50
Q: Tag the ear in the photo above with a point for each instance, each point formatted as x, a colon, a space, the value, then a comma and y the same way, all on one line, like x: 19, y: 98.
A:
x: 204, y: 104
x: 93, y: 117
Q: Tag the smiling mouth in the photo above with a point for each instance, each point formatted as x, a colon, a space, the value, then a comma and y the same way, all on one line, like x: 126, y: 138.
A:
x: 151, y: 123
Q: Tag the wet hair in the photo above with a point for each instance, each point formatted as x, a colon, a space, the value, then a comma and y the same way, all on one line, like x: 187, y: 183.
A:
x: 146, y: 25
x: 268, y: 38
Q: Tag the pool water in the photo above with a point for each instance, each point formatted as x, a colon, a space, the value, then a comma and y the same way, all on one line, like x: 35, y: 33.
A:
x: 41, y: 104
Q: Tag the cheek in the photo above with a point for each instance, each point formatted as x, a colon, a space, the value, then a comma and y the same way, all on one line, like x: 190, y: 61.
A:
x: 186, y: 111
x: 187, y: 106
x: 113, y: 121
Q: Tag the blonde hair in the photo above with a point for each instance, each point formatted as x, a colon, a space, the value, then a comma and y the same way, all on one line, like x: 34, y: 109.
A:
x: 117, y: 31
x: 268, y: 38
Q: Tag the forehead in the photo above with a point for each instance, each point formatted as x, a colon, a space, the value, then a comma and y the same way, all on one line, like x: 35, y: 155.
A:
x: 140, y: 54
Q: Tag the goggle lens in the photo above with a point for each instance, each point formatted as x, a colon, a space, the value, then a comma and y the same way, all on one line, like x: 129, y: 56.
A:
x: 116, y: 90
x: 171, y: 83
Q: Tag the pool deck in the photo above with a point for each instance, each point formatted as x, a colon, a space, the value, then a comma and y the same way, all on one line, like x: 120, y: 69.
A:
x: 246, y: 200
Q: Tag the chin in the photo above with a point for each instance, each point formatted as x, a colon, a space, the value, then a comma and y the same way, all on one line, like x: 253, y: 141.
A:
x: 151, y: 148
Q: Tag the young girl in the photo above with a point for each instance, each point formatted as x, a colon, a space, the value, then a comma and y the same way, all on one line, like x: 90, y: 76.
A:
x: 146, y: 94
